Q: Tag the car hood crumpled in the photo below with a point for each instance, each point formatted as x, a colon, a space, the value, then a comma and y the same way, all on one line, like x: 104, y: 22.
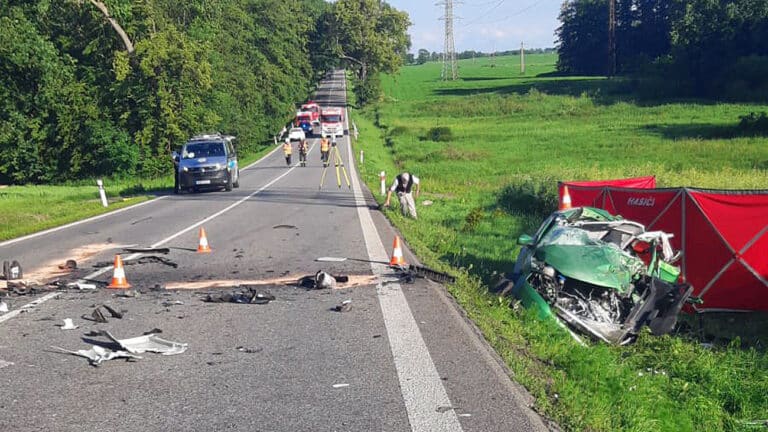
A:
x: 601, y: 265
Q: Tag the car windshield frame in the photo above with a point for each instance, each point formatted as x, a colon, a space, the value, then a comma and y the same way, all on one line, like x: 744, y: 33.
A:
x: 204, y: 149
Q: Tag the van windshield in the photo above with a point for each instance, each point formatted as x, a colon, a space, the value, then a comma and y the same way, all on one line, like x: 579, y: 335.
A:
x: 331, y: 118
x: 203, y: 149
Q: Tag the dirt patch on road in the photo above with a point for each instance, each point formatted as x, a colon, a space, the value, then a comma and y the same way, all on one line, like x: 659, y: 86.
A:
x: 51, y: 270
x: 354, y: 281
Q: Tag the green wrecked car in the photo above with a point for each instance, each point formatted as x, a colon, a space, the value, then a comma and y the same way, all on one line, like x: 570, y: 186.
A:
x: 600, y: 274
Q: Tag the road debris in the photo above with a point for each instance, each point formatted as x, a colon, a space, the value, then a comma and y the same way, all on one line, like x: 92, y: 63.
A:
x: 147, y: 250
x: 243, y: 349
x: 98, y: 316
x: 285, y: 227
x: 12, y: 270
x: 251, y: 296
x: 68, y: 324
x: 324, y: 280
x: 82, y: 286
x: 70, y: 264
x: 340, y: 385
x: 4, y: 363
x: 3, y: 307
x: 148, y: 259
x: 153, y: 331
x: 148, y: 343
x: 169, y: 303
x: 433, y: 275
x: 98, y: 355
x: 345, y: 306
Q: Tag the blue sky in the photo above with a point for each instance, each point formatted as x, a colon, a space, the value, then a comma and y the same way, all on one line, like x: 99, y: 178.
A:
x: 485, y: 25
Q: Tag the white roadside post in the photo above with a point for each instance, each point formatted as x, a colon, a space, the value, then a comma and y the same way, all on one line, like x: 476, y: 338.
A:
x: 383, y: 178
x: 361, y: 157
x: 102, y: 193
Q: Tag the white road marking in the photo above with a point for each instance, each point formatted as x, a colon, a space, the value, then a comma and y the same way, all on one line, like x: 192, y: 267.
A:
x: 28, y: 306
x: 103, y: 270
x: 422, y: 389
x: 103, y: 215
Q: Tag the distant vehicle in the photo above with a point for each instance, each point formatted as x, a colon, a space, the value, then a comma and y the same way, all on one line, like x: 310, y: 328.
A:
x: 304, y: 121
x: 332, y: 122
x: 600, y: 274
x: 313, y: 109
x: 296, y: 134
x: 207, y: 161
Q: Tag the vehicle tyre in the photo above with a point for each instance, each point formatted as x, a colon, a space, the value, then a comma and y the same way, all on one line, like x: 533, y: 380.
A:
x: 237, y: 183
x: 229, y: 184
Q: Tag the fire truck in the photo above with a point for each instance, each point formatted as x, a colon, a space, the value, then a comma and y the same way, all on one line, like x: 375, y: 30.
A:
x: 312, y: 109
x: 332, y: 122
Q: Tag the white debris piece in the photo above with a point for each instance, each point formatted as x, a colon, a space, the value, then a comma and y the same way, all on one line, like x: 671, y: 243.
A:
x: 98, y: 355
x: 3, y: 307
x: 151, y: 343
x: 68, y: 324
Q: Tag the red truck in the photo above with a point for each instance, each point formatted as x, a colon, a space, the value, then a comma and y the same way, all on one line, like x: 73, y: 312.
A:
x: 313, y: 109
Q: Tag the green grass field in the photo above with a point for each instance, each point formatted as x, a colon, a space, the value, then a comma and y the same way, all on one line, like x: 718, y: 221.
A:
x: 28, y: 209
x: 512, y: 137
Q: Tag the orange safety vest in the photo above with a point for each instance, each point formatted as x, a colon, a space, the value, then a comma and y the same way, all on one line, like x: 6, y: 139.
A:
x: 287, y: 148
x: 323, y: 144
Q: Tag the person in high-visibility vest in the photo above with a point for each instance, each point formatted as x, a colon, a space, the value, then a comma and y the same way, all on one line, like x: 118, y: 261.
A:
x: 287, y: 149
x: 324, y: 149
x: 303, y: 149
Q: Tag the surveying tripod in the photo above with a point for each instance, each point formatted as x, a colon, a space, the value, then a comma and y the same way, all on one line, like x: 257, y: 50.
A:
x: 333, y: 155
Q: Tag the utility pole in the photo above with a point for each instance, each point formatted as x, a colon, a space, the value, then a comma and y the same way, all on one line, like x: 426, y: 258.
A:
x: 611, y: 37
x: 522, y: 58
x: 450, y: 67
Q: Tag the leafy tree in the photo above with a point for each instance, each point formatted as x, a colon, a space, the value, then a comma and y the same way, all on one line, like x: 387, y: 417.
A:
x: 583, y: 37
x: 423, y: 56
x: 371, y: 36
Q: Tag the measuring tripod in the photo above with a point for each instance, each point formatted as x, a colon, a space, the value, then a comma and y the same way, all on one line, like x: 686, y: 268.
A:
x: 335, y: 157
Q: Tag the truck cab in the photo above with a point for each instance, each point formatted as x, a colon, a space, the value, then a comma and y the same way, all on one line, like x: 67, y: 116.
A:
x: 304, y: 121
x: 332, y: 122
x: 313, y: 110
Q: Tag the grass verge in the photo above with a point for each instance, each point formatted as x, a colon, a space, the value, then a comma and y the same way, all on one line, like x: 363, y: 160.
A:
x: 510, y: 138
x: 29, y: 209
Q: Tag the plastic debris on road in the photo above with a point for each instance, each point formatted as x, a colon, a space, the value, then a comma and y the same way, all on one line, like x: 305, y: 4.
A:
x: 3, y: 307
x: 98, y: 355
x: 68, y: 324
x: 149, y: 343
x: 252, y: 296
x: 345, y: 306
x: 4, y: 363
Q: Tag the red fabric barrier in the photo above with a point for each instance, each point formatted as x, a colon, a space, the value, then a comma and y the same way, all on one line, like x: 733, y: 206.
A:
x: 723, y: 236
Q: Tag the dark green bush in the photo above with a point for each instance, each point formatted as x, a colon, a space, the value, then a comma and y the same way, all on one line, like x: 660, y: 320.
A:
x: 440, y: 134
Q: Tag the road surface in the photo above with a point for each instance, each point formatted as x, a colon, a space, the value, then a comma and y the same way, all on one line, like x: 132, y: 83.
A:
x: 402, y: 359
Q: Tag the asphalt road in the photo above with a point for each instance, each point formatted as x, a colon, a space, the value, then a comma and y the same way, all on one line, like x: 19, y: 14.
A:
x: 403, y: 358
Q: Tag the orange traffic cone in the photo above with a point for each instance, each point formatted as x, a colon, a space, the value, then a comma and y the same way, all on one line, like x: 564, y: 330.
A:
x: 203, y: 246
x: 397, y: 254
x: 565, y: 202
x: 118, y: 277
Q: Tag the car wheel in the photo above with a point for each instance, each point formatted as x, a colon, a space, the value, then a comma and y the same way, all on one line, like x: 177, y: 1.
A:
x: 229, y: 185
x: 237, y: 183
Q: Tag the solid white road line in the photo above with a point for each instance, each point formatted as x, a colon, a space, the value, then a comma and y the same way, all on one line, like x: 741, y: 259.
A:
x: 103, y: 215
x: 422, y: 389
x: 30, y: 305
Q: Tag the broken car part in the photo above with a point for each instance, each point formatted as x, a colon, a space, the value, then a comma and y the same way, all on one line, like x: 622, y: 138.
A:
x: 98, y: 316
x: 251, y: 296
x: 147, y: 250
x: 430, y: 274
x: 69, y: 265
x: 3, y: 307
x: 98, y: 355
x: 12, y: 270
x: 151, y: 343
x: 324, y: 280
x: 68, y: 324
x: 345, y: 306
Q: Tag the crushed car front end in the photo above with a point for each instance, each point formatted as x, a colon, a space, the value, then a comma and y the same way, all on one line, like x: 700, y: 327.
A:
x: 585, y: 268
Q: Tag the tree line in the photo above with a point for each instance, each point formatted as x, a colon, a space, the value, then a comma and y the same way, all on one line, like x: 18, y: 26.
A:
x: 91, y: 88
x: 710, y: 48
x: 422, y: 56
